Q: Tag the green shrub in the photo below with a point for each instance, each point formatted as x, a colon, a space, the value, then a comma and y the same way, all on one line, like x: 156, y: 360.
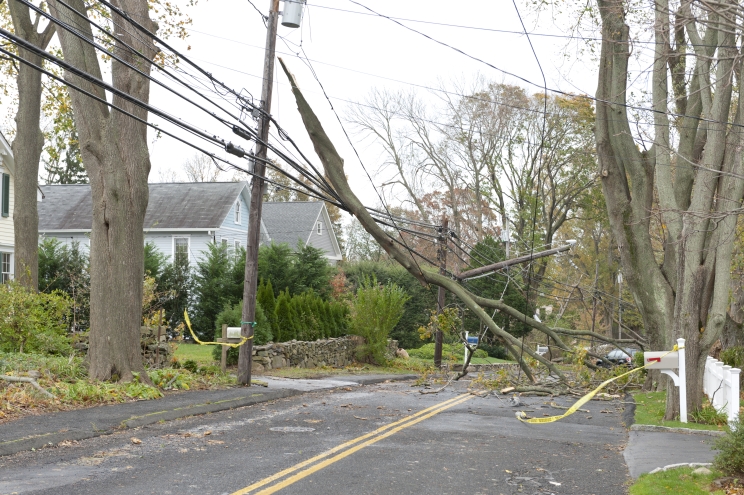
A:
x: 375, y: 311
x: 730, y: 457
x: 450, y: 352
x: 190, y: 365
x: 494, y: 351
x: 32, y: 321
x: 733, y: 356
x: 232, y: 316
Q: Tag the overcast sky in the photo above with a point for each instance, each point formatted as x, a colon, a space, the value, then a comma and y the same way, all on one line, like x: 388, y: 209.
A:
x: 353, y: 52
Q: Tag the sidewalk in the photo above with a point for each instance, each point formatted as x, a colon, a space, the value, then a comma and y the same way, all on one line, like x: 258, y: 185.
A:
x: 653, y: 447
x: 35, y: 432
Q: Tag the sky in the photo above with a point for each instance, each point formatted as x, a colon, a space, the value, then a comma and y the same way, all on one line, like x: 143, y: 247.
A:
x: 353, y: 52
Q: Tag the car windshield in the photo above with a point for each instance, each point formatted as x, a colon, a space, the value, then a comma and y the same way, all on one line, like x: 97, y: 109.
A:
x: 617, y: 354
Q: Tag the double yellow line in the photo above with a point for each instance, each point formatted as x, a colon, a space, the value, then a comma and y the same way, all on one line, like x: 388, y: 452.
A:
x: 324, y: 459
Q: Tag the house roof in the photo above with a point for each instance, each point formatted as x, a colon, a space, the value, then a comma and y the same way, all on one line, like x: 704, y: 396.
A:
x: 192, y: 205
x: 288, y: 222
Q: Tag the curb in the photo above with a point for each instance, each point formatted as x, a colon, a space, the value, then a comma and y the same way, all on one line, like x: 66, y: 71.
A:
x: 681, y: 464
x: 668, y: 429
x: 52, y: 438
x: 42, y: 440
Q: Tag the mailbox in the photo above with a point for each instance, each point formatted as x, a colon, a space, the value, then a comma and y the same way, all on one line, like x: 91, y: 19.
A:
x: 661, y: 360
x: 233, y: 333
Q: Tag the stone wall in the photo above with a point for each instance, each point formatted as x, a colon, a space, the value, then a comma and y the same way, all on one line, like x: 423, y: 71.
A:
x: 295, y: 354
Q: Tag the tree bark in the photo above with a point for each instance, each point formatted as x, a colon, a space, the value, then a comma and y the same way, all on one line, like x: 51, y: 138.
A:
x: 115, y: 154
x: 27, y: 148
x: 686, y: 293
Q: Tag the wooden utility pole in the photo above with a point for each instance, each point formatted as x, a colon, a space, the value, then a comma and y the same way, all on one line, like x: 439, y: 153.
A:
x: 254, y: 218
x: 442, y: 256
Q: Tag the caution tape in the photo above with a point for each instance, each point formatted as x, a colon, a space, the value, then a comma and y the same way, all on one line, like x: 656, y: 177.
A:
x: 522, y: 416
x: 188, y: 324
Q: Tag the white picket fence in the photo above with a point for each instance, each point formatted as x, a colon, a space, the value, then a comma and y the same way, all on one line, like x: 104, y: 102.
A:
x: 721, y: 385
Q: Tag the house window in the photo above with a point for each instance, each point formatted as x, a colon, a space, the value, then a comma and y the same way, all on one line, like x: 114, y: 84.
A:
x: 319, y: 228
x: 237, y: 211
x: 5, y: 196
x: 4, y: 267
x: 181, y: 249
x: 225, y: 243
x: 237, y: 247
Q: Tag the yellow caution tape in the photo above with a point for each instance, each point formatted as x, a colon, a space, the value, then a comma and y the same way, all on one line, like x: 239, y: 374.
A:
x: 522, y: 416
x: 188, y: 324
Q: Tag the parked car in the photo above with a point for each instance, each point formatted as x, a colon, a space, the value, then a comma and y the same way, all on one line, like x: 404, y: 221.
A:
x: 618, y: 357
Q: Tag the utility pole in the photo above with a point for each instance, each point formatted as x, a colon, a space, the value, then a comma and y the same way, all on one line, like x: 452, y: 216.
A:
x: 619, y: 305
x: 245, y: 359
x: 442, y: 256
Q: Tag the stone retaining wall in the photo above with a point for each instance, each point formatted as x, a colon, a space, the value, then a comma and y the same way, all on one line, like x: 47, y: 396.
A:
x: 296, y: 354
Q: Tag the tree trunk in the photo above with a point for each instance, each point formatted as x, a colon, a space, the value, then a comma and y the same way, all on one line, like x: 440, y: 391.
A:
x: 116, y: 157
x: 27, y: 148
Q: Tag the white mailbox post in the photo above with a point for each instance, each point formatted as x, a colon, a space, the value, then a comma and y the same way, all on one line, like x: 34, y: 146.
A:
x: 666, y: 362
x: 471, y: 341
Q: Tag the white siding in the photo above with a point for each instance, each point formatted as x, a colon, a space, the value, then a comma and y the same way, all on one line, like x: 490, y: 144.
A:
x: 83, y: 239
x: 7, y: 237
x: 198, y: 242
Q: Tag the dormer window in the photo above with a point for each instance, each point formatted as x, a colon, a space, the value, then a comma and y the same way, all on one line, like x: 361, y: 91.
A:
x: 237, y: 212
x: 319, y: 228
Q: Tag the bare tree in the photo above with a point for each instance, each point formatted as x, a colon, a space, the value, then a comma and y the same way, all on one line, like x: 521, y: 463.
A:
x: 28, y: 144
x: 201, y: 168
x: 682, y: 289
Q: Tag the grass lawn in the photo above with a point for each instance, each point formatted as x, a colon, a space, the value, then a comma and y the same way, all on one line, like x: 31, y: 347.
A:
x: 202, y: 354
x: 650, y: 408
x: 678, y: 481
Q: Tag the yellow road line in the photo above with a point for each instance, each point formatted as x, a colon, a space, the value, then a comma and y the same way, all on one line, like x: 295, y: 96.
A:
x: 281, y: 474
x: 376, y: 437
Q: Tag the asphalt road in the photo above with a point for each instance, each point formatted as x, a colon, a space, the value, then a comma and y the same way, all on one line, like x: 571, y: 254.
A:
x: 381, y: 439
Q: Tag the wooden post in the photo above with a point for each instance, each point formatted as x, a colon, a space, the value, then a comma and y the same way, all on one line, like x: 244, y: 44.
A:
x: 245, y: 359
x: 442, y: 256
x: 223, y: 363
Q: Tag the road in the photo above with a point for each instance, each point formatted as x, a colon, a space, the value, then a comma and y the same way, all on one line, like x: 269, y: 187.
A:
x: 381, y: 439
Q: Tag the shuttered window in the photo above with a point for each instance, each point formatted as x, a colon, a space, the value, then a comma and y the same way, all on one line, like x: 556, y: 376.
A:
x: 6, y: 195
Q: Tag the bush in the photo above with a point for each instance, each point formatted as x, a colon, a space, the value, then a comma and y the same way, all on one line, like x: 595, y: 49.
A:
x: 494, y: 351
x: 33, y: 322
x: 416, y: 310
x: 733, y: 356
x: 375, y: 312
x: 66, y: 268
x: 730, y: 457
x: 232, y: 316
x: 450, y: 352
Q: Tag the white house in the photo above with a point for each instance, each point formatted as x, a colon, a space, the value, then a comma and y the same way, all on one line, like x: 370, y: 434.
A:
x: 7, y: 237
x: 183, y: 218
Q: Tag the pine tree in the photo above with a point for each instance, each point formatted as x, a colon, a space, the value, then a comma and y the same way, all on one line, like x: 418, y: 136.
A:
x: 283, y: 318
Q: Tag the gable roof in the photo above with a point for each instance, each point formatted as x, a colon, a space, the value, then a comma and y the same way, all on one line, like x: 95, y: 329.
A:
x: 172, y: 206
x: 290, y: 221
x: 6, y: 154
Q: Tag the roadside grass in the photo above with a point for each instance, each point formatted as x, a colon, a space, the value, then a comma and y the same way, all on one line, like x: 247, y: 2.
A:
x: 66, y: 378
x: 650, y: 407
x: 678, y: 481
x: 202, y: 354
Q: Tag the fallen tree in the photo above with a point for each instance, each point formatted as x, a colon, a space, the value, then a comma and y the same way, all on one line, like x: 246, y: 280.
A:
x: 333, y: 165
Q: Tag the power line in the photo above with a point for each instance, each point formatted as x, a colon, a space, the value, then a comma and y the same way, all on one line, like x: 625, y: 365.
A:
x: 552, y: 90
